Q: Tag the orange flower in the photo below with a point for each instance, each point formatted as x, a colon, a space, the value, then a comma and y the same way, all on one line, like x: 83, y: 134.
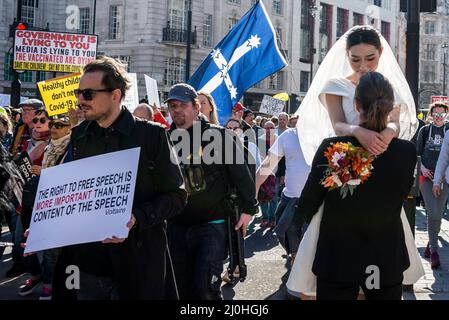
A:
x: 348, y: 166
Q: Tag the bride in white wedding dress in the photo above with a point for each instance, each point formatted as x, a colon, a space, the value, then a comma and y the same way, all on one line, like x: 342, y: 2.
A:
x: 329, y: 110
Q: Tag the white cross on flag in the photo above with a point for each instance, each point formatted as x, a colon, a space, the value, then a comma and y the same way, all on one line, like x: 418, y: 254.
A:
x: 248, y: 54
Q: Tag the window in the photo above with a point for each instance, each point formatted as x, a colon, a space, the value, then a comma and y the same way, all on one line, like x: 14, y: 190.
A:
x: 232, y: 21
x: 430, y: 27
x: 304, y: 84
x: 258, y: 85
x: 429, y: 73
x: 115, y: 22
x: 207, y: 31
x: 41, y: 76
x: 429, y: 52
x: 358, y: 19
x: 125, y: 60
x: 342, y: 21
x: 29, y: 11
x: 306, y: 22
x: 385, y: 30
x: 26, y: 76
x: 174, y: 71
x: 277, y: 6
x: 276, y: 81
x: 325, y: 30
x: 177, y: 14
x: 305, y: 45
x: 84, y: 20
x: 279, y: 35
x: 377, y: 3
x: 234, y: 1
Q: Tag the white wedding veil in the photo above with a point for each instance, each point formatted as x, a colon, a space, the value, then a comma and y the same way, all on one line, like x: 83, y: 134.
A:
x: 314, y: 124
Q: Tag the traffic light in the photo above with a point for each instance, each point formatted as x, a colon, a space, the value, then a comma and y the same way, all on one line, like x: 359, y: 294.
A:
x: 17, y: 26
x: 425, y: 5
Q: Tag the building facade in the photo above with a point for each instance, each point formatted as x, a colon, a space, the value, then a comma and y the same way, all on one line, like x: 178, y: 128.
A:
x: 434, y: 54
x: 150, y: 35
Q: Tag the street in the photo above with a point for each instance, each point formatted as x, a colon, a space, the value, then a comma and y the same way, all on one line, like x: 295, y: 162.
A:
x: 268, y: 268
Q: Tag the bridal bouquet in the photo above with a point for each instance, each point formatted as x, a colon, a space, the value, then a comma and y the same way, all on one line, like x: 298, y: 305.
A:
x: 348, y: 167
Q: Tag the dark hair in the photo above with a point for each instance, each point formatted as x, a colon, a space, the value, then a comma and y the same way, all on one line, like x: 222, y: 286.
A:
x: 114, y: 73
x: 235, y: 120
x: 438, y: 104
x: 363, y: 35
x: 376, y: 98
x: 38, y: 112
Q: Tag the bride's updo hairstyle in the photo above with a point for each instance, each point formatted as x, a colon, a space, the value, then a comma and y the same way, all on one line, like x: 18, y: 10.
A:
x: 363, y: 35
x: 375, y: 98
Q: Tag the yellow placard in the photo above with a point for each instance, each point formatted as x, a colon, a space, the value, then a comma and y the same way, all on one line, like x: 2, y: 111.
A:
x: 282, y: 96
x: 58, y: 93
x: 47, y: 67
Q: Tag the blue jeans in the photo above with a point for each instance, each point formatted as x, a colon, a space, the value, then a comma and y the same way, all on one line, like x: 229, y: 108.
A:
x: 198, y: 253
x: 15, y: 228
x: 268, y: 209
x: 287, y: 230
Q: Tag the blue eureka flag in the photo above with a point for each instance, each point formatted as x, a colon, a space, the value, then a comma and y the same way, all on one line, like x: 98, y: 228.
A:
x: 248, y: 54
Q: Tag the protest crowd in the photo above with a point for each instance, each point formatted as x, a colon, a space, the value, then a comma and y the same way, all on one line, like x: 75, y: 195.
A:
x: 190, y: 174
x: 47, y: 141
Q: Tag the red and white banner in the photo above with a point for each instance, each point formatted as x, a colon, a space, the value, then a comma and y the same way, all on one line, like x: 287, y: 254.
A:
x: 434, y: 99
x: 53, y: 51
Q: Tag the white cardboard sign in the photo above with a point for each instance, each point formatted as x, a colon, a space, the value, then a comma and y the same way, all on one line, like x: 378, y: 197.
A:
x: 84, y: 201
x: 152, y: 93
x: 272, y: 106
x: 132, y: 95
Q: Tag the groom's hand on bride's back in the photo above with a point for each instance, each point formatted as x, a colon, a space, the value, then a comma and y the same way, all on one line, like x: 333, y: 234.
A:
x: 371, y: 140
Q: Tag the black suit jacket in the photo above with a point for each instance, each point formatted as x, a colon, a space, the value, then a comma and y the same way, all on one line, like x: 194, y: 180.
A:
x: 363, y: 229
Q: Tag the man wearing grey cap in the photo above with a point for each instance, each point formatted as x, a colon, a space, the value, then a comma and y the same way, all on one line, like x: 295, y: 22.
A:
x: 23, y: 128
x: 198, y: 236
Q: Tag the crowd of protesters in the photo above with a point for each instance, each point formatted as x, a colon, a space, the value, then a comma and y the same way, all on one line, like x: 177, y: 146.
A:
x: 177, y: 242
x: 195, y: 230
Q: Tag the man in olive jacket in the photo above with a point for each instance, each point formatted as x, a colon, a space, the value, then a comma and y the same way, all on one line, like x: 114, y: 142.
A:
x: 214, y: 167
x: 135, y: 267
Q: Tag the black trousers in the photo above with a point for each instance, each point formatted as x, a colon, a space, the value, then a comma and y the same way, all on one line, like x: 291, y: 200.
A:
x: 331, y: 290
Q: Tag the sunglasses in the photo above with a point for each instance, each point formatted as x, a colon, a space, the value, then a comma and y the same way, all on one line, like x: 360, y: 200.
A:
x: 41, y: 120
x: 440, y: 115
x: 88, y: 93
x: 57, y: 125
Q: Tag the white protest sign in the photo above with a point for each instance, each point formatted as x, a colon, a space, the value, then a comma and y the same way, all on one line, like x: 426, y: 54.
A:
x: 152, y: 93
x: 132, y: 95
x: 271, y: 106
x: 84, y: 201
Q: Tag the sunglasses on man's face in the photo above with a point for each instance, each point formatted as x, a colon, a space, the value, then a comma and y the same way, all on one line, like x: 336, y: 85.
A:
x: 439, y: 115
x: 88, y: 94
x: 41, y: 120
x: 57, y: 125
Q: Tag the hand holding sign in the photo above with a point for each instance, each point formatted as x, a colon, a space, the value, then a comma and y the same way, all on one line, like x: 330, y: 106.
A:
x: 88, y: 200
x: 115, y: 239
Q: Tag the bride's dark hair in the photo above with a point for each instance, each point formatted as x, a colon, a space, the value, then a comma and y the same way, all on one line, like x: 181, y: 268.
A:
x: 363, y: 35
x: 375, y: 96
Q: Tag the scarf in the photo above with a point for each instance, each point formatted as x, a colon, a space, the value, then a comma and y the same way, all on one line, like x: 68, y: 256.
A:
x: 55, y: 150
x: 36, y: 146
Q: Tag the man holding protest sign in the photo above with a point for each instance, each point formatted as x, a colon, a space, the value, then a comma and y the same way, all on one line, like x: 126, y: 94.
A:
x: 135, y: 267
